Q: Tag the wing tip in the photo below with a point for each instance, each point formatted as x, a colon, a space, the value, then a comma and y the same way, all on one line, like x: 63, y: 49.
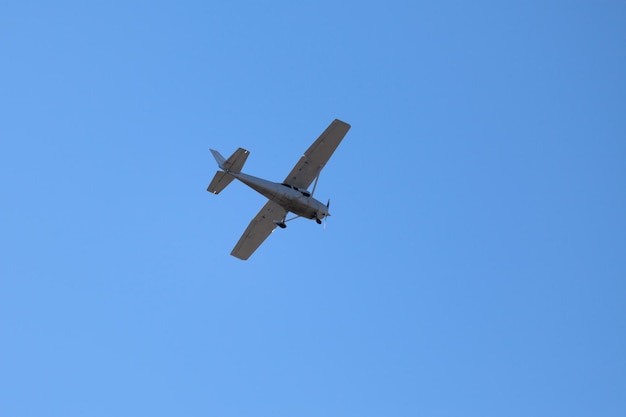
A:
x: 338, y: 121
x: 236, y: 255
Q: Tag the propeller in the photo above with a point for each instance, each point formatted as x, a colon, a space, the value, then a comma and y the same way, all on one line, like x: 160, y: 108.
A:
x: 327, y: 213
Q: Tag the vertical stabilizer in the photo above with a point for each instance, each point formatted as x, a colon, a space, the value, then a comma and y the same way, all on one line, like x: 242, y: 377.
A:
x: 219, y: 158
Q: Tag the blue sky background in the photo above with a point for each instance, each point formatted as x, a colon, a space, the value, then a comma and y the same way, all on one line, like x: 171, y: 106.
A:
x: 474, y: 264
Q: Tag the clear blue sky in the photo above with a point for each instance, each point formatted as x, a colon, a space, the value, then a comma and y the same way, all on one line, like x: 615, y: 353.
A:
x: 475, y: 262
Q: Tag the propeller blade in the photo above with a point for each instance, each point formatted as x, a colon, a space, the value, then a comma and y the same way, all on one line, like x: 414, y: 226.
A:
x: 327, y: 213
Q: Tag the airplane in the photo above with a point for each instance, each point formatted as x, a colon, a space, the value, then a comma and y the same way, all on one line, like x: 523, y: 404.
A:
x: 289, y: 196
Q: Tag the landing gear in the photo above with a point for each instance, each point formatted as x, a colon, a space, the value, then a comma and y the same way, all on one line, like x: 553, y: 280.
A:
x: 318, y: 221
x: 283, y: 223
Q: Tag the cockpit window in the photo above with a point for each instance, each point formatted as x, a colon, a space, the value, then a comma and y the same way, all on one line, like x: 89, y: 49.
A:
x: 303, y: 192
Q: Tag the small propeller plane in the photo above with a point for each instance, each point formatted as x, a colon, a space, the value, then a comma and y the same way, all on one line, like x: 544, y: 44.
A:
x: 289, y: 196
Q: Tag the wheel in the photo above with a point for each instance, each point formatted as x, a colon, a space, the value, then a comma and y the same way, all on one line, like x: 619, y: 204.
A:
x: 318, y: 221
x: 282, y: 225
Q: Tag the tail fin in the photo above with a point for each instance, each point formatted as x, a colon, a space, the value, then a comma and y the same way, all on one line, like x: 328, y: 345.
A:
x: 231, y: 165
x: 219, y: 158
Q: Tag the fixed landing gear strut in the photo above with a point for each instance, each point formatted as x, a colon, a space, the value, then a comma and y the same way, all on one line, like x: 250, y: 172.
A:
x: 283, y: 223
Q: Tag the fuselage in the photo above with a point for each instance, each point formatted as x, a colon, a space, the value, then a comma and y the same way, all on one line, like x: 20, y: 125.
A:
x: 295, y: 200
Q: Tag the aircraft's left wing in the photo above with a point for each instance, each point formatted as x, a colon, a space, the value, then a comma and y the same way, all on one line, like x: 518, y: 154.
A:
x: 258, y: 230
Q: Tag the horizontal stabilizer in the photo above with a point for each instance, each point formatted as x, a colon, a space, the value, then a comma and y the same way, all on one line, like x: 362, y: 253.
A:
x: 235, y: 162
x: 220, y: 181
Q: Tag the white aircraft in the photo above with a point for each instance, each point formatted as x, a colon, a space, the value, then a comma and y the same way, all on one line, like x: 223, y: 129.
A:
x: 289, y: 196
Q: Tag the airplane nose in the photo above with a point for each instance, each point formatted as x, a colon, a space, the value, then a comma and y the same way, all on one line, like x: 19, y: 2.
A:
x: 322, y: 213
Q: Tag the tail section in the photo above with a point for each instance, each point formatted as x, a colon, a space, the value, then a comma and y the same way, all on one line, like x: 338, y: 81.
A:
x: 219, y: 158
x: 220, y: 181
x: 231, y: 165
x: 234, y: 163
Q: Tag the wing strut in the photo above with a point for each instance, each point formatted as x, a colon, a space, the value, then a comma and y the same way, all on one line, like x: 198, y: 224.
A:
x: 315, y: 185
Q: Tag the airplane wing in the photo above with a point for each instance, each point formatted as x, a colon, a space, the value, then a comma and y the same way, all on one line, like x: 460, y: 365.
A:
x: 314, y: 159
x: 258, y: 230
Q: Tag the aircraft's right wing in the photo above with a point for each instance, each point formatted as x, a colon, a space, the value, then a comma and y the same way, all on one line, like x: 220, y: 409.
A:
x: 258, y: 230
x: 314, y: 159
